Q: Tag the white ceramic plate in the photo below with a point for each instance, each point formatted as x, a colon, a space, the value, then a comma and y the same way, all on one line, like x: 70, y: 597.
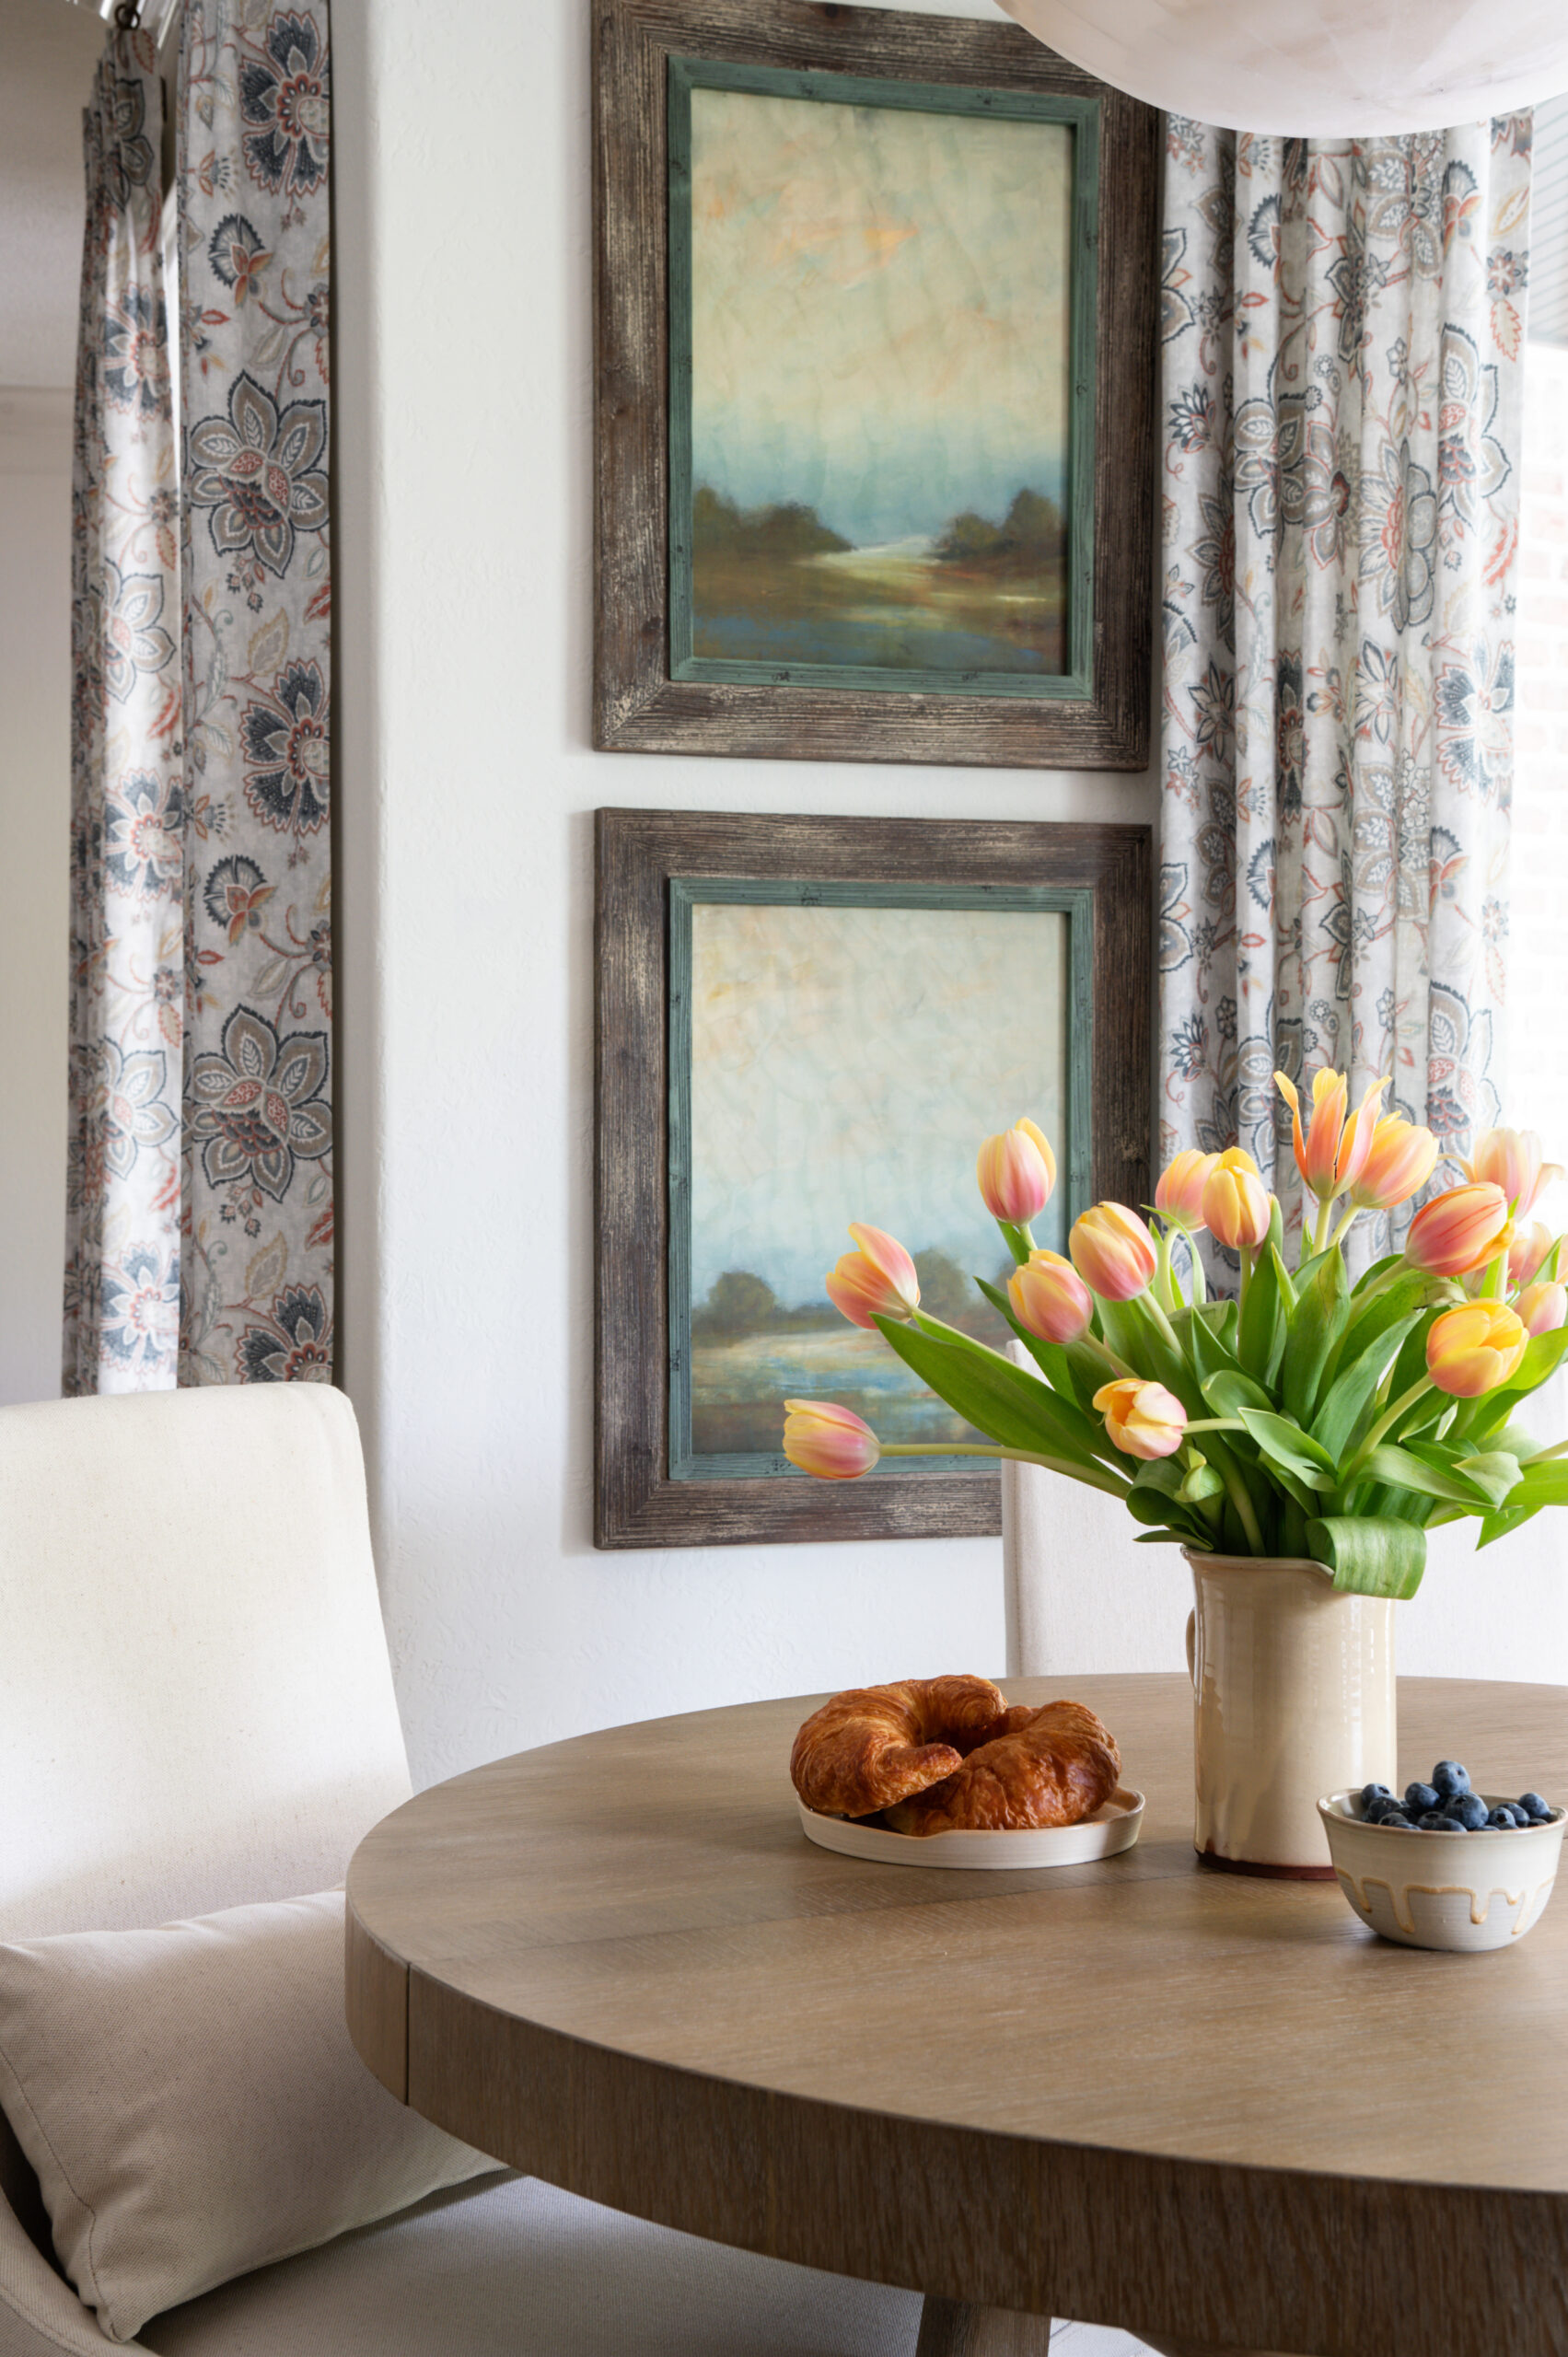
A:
x: 1113, y: 1827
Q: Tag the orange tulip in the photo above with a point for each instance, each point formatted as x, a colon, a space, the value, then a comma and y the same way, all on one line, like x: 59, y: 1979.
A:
x: 1112, y: 1252
x: 1459, y: 1231
x: 1402, y: 1160
x: 1474, y: 1348
x: 1511, y: 1159
x: 1179, y: 1195
x: 1543, y: 1308
x: 1527, y: 1251
x: 1143, y: 1419
x: 1017, y: 1173
x: 831, y: 1442
x: 1238, y: 1208
x: 878, y: 1280
x: 1049, y: 1298
x: 1333, y: 1155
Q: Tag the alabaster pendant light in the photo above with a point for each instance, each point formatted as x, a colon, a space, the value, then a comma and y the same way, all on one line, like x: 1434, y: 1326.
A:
x: 1316, y: 69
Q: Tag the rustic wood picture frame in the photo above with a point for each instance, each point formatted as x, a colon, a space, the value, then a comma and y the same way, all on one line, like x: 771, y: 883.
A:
x: 641, y: 858
x: 638, y: 705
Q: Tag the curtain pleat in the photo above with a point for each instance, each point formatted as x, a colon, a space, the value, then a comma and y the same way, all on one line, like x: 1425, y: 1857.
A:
x: 1343, y: 331
x: 127, y: 810
x: 255, y: 259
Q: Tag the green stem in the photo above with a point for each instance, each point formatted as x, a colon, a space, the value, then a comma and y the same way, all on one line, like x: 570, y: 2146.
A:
x: 1019, y: 1241
x: 1247, y: 1257
x: 1197, y: 1292
x: 1495, y: 1279
x: 1236, y: 1488
x: 1558, y: 1448
x: 1167, y: 1330
x: 1094, y: 1478
x: 1345, y: 1225
x: 1217, y: 1425
x: 1165, y: 1282
x: 1385, y: 1423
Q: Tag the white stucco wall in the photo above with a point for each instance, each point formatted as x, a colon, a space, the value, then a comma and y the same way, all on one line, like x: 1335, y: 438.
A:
x: 464, y: 360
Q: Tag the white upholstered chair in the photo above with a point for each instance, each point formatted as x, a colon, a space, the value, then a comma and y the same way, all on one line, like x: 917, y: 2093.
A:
x: 196, y: 1712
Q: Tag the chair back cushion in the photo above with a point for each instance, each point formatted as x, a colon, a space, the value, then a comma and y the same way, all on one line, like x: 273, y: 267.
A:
x: 196, y: 1706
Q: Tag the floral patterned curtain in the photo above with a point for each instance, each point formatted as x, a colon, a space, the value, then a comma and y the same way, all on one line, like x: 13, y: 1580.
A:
x: 255, y: 258
x: 1342, y: 331
x: 123, y: 1205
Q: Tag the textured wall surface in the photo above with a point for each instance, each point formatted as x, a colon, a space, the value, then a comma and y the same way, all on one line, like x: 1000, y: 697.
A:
x: 465, y: 925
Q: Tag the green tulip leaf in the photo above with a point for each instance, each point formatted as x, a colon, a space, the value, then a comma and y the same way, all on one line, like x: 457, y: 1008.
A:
x: 1342, y: 1410
x: 1287, y: 1446
x: 1493, y: 1470
x: 1262, y: 1334
x: 1403, y: 1469
x: 1371, y: 1554
x: 1321, y: 1315
x: 1014, y: 1407
x: 1230, y: 1392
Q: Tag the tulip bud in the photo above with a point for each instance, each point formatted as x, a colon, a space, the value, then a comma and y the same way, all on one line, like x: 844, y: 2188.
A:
x: 1238, y: 1207
x: 1334, y: 1154
x: 1049, y: 1298
x: 1511, y: 1159
x: 1459, y: 1231
x: 831, y: 1442
x: 1112, y: 1252
x: 1402, y: 1160
x: 1526, y: 1251
x: 1475, y: 1348
x: 1543, y: 1308
x: 878, y: 1280
x: 1143, y: 1419
x: 1178, y: 1198
x: 1017, y: 1173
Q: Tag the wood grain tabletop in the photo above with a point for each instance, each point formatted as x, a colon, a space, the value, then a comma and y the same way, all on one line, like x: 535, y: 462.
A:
x: 1206, y: 2105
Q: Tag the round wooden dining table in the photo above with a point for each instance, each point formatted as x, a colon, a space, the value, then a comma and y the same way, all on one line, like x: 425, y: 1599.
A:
x: 1210, y: 2107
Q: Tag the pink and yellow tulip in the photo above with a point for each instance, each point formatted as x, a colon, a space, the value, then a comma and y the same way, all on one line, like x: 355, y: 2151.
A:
x: 876, y: 1281
x: 1402, y: 1158
x: 1333, y: 1154
x: 1238, y: 1207
x: 1143, y: 1419
x: 1459, y: 1231
x: 1474, y: 1348
x: 1512, y: 1159
x: 1527, y: 1252
x: 1018, y: 1173
x: 829, y: 1441
x: 1049, y: 1298
x: 1543, y: 1307
x: 1112, y: 1252
x: 1178, y: 1198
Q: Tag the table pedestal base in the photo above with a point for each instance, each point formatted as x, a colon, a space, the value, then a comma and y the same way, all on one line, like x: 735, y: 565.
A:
x: 952, y: 2328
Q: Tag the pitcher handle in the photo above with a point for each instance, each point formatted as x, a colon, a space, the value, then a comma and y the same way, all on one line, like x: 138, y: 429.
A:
x: 1192, y: 1649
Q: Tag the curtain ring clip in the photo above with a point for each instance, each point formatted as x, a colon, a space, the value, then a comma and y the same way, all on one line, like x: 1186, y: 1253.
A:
x: 127, y: 16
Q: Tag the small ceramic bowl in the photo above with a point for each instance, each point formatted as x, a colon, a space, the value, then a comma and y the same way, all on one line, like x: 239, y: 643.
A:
x: 1463, y: 1891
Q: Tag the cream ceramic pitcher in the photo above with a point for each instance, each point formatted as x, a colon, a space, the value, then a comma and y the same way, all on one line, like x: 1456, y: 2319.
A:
x: 1292, y: 1683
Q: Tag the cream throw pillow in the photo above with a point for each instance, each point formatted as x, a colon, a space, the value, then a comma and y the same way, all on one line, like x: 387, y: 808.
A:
x: 194, y: 2106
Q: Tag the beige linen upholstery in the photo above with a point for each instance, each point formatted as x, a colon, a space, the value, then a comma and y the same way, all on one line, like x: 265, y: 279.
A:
x: 196, y: 1712
x: 517, y: 2268
x: 193, y: 2104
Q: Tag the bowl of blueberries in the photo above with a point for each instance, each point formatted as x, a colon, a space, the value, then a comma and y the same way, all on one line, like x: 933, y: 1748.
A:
x: 1442, y: 1865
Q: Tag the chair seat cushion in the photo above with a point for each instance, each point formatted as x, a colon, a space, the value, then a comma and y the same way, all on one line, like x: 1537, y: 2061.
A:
x: 510, y: 2268
x: 193, y: 2106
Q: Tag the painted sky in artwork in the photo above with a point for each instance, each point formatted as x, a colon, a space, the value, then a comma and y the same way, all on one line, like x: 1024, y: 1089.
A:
x: 846, y: 1063
x: 879, y: 310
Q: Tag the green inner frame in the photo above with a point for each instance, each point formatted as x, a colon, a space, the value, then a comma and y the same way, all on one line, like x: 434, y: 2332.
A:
x: 1077, y: 904
x: 1082, y: 115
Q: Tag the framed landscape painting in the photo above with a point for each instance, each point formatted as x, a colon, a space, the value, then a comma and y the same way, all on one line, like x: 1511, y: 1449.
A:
x: 805, y: 1021
x: 875, y: 373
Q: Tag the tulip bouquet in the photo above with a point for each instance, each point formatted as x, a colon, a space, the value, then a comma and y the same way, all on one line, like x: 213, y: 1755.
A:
x: 1312, y: 1417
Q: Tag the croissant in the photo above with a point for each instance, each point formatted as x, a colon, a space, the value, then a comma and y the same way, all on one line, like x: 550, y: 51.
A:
x: 1058, y: 1768
x: 877, y: 1745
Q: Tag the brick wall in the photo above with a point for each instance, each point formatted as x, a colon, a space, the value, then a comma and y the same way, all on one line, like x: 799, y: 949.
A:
x: 1537, y: 1092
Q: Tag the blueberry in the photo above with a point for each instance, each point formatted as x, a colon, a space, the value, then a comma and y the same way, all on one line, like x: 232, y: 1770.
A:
x: 1397, y: 1818
x: 1370, y: 1793
x: 1467, y: 1809
x: 1535, y: 1809
x: 1501, y: 1819
x: 1432, y: 1822
x: 1421, y: 1799
x: 1449, y: 1780
x: 1377, y: 1810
